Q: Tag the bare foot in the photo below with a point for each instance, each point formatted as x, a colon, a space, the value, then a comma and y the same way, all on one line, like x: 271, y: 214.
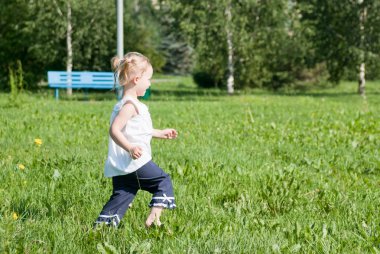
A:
x: 153, y: 223
x: 149, y: 221
x: 154, y: 217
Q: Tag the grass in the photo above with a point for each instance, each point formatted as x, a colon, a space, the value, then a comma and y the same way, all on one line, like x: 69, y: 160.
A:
x: 291, y: 172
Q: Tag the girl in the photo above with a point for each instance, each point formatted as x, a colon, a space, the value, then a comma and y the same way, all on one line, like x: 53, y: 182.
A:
x: 129, y: 161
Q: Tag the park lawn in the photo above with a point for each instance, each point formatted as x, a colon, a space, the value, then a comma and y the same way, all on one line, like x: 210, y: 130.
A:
x: 257, y: 172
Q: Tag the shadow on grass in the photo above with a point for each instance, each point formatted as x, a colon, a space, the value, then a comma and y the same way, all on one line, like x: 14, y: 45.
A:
x: 185, y: 93
x: 156, y: 95
x: 321, y: 94
x: 342, y: 90
x: 315, y: 94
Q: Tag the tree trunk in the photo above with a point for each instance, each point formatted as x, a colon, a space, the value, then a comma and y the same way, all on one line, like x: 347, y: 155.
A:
x: 230, y: 64
x: 136, y: 6
x: 361, y: 88
x: 69, y: 63
x: 363, y: 16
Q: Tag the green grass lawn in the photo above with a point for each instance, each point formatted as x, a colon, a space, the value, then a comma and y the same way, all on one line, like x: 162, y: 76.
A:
x: 259, y: 172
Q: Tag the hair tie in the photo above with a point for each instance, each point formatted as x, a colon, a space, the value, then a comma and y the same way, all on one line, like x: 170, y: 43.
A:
x: 124, y: 60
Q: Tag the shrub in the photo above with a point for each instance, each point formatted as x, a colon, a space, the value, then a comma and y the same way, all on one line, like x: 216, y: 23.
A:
x: 204, y: 80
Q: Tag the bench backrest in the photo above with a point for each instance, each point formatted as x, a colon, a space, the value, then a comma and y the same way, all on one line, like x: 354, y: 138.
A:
x: 79, y: 79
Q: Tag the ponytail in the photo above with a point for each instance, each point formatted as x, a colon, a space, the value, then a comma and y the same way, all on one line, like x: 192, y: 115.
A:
x: 115, y: 61
x: 133, y: 63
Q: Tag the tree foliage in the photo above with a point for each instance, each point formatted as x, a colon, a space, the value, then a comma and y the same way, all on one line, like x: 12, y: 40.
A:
x: 35, y: 33
x: 275, y: 43
x: 270, y: 47
x: 337, y: 35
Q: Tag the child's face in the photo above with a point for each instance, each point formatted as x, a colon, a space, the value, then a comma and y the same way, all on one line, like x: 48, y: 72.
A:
x: 144, y: 82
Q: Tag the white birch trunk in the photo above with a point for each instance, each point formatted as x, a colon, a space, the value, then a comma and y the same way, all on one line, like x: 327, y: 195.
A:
x: 361, y: 88
x: 230, y: 64
x: 137, y: 6
x: 156, y: 4
x: 69, y: 63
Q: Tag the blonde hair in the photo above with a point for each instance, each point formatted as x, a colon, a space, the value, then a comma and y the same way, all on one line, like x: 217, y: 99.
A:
x: 126, y: 68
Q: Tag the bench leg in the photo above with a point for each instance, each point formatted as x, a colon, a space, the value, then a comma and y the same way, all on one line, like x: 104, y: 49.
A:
x: 56, y: 94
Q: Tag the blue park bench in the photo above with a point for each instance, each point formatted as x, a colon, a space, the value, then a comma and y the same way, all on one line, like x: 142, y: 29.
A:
x: 83, y: 80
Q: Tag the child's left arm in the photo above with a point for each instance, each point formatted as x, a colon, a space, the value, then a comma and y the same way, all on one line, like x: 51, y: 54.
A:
x: 165, y: 133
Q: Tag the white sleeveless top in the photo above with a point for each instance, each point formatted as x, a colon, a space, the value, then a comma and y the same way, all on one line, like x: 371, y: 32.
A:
x: 138, y: 132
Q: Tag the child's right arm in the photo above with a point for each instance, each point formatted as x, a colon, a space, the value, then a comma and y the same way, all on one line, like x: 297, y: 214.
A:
x: 126, y: 113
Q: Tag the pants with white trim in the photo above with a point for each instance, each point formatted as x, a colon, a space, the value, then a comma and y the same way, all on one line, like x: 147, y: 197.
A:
x: 150, y: 178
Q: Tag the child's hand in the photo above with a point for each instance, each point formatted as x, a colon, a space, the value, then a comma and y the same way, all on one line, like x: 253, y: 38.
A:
x: 169, y: 133
x: 135, y: 152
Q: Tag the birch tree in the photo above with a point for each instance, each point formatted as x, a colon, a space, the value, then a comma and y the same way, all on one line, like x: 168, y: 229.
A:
x: 69, y: 48
x: 346, y: 35
x: 208, y: 26
x: 69, y: 61
x: 242, y: 43
x: 363, y: 16
x: 38, y: 34
x: 230, y: 64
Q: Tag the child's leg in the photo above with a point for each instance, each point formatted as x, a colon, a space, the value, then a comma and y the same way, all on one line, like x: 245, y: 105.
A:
x: 117, y: 205
x: 153, y: 179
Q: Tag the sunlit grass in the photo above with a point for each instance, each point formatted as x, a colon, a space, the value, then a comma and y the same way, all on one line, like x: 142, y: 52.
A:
x: 252, y: 173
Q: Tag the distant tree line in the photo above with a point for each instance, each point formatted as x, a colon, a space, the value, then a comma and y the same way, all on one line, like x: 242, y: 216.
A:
x: 225, y: 43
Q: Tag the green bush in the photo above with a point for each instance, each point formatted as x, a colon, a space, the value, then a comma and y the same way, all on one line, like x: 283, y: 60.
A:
x: 204, y: 80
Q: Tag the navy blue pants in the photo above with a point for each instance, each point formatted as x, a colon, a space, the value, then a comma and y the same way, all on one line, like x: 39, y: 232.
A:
x: 150, y: 178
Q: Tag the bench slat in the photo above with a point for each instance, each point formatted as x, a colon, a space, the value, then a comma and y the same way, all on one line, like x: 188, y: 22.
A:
x: 99, y: 86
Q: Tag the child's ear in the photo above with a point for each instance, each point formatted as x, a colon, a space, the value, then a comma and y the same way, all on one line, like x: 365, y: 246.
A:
x: 135, y: 80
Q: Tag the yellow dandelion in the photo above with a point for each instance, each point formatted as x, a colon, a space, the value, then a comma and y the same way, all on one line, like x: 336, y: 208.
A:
x: 38, y: 141
x: 21, y: 166
x: 14, y: 216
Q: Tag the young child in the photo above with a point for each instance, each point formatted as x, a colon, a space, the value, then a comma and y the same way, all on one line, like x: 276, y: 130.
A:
x: 129, y: 161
